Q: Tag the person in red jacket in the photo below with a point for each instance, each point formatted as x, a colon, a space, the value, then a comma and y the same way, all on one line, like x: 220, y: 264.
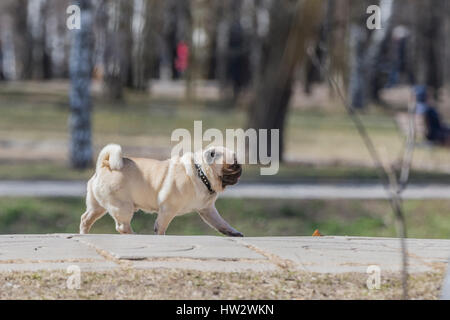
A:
x: 182, y: 60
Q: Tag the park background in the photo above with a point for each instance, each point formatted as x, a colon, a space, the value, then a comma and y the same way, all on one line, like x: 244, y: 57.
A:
x: 147, y: 67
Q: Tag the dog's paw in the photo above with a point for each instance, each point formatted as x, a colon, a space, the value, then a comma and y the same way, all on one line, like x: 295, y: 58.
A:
x: 83, y: 230
x: 235, y: 233
x: 238, y: 234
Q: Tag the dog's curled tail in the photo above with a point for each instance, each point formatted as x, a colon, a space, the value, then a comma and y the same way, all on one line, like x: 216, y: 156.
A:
x: 110, y: 157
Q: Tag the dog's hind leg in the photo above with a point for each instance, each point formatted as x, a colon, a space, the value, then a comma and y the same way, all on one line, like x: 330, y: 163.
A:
x: 94, y: 211
x: 89, y: 217
x: 122, y: 214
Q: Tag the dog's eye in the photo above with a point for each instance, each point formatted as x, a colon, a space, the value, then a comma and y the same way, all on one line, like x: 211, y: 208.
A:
x: 213, y: 154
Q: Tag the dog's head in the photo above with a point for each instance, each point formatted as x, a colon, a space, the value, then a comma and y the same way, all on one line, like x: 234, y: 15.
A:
x: 223, y: 165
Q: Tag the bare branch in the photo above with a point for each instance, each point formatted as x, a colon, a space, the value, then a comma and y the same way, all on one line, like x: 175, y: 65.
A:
x: 393, y: 185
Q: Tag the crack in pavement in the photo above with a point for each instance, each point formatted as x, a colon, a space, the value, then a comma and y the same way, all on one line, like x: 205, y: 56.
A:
x: 436, y: 266
x: 106, y: 254
x: 272, y: 258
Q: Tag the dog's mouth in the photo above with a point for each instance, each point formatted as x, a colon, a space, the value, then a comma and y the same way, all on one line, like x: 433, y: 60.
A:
x: 231, y: 174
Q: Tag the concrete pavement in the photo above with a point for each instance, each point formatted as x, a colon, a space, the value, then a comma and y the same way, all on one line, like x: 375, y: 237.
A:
x: 206, y: 253
x: 243, y: 190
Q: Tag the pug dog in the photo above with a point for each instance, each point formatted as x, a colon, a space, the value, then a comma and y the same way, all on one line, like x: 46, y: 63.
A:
x: 123, y: 185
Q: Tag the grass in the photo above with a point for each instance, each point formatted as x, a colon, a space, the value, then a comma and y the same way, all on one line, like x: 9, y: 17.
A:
x: 323, y: 142
x: 288, y: 173
x: 425, y: 219
x: 42, y: 171
x: 47, y: 114
x: 179, y: 284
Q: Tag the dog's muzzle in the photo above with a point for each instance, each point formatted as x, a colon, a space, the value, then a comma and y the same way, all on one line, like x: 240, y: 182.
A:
x: 231, y: 174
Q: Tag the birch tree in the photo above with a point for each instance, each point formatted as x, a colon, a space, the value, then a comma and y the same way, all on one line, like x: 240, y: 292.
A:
x: 80, y: 97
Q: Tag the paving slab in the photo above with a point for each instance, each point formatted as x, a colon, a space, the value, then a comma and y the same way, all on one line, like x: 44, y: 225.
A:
x: 140, y: 247
x: 206, y: 253
x: 44, y: 248
x: 353, y: 254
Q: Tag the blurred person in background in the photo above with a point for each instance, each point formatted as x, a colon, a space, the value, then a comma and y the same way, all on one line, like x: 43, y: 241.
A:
x: 435, y: 131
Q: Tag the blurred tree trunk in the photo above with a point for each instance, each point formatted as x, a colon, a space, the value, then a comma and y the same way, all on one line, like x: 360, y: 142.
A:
x: 81, y: 66
x: 37, y: 30
x: 2, y: 76
x: 358, y: 43
x: 143, y: 43
x: 168, y: 39
x: 365, y: 50
x: 6, y: 43
x: 238, y: 49
x: 184, y: 29
x: 238, y: 44
x: 223, y: 26
x: 428, y: 27
x: 377, y: 48
x: 118, y: 48
x: 55, y: 40
x: 22, y: 40
x: 261, y: 25
x: 177, y: 27
x: 138, y: 27
x: 292, y: 25
x: 313, y: 73
x: 337, y: 49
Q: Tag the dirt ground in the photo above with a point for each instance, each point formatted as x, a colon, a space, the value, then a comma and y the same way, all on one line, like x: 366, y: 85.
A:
x: 182, y: 284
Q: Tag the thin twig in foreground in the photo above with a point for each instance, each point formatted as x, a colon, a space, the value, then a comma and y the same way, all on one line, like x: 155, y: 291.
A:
x: 391, y: 183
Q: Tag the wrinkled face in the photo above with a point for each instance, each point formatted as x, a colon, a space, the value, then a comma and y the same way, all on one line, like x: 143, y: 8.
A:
x: 224, y: 164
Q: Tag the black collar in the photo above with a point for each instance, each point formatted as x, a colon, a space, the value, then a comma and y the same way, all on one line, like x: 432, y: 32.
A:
x: 203, y: 177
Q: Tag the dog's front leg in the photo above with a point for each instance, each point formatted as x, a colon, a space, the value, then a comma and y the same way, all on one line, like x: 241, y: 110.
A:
x: 212, y: 217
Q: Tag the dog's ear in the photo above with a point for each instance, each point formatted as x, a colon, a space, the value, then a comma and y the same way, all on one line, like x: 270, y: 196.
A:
x: 210, y: 155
